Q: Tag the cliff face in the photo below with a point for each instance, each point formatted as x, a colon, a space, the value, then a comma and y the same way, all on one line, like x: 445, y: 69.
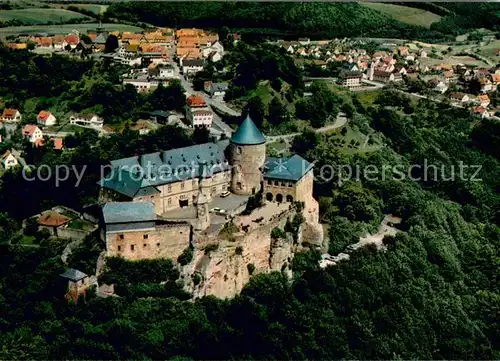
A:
x: 224, y: 271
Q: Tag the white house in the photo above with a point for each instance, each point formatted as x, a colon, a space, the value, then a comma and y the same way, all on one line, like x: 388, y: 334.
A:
x: 350, y: 79
x: 200, y: 117
x: 87, y: 120
x: 46, y: 118
x: 11, y: 116
x: 216, y: 48
x: 215, y: 90
x: 166, y: 71
x: 142, y: 85
x: 198, y: 113
x: 459, y: 98
x: 8, y: 160
x: 484, y: 100
x: 32, y: 133
x: 191, y: 66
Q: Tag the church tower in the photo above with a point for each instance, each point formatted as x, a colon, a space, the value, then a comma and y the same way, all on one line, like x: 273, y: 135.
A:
x: 248, y: 154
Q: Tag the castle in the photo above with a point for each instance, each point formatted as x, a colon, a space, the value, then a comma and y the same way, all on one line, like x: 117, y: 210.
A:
x: 194, y: 176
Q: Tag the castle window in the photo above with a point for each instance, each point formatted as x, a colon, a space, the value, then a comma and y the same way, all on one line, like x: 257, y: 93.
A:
x: 157, y: 245
x: 144, y: 245
x: 169, y: 201
x: 182, y: 185
x: 152, y: 197
x: 283, y: 184
x: 194, y: 182
x: 119, y: 248
x: 121, y: 236
x: 238, y: 150
x: 239, y: 185
x: 132, y: 247
x: 290, y: 184
x: 145, y: 236
x: 270, y: 182
x: 169, y: 188
x: 276, y: 183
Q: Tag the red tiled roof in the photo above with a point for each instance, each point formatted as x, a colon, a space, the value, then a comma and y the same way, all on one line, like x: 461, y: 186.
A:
x: 196, y: 101
x: 29, y: 129
x: 58, y: 143
x: 52, y: 219
x: 43, y: 115
x: 9, y: 113
x: 72, y: 39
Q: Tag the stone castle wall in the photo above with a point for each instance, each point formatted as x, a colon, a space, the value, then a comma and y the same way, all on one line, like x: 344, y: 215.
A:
x: 165, y: 241
x: 224, y: 272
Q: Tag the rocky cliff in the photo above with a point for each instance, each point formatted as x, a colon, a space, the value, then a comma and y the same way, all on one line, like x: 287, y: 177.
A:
x: 222, y: 264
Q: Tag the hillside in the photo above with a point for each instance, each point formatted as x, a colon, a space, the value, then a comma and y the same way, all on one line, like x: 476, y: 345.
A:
x: 405, y: 14
x: 40, y: 16
x: 316, y: 20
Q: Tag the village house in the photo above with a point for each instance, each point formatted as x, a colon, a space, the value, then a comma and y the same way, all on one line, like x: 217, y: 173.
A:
x: 52, y: 220
x: 383, y: 76
x: 166, y: 71
x: 214, y: 52
x: 486, y: 85
x: 8, y: 160
x: 142, y: 84
x: 191, y: 66
x: 459, y: 98
x: 350, y: 79
x: 197, y: 112
x: 32, y: 133
x: 11, y: 116
x: 144, y: 126
x: 484, y: 100
x: 438, y: 86
x: 17, y: 46
x: 89, y: 120
x: 481, y: 111
x: 46, y: 118
x: 216, y: 90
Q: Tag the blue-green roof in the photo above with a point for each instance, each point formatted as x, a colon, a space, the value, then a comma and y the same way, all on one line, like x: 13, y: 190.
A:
x: 248, y: 133
x: 140, y: 175
x: 292, y: 168
x: 125, y: 212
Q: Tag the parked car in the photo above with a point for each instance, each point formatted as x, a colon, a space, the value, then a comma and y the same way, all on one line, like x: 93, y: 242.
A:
x: 225, y: 194
x: 218, y: 211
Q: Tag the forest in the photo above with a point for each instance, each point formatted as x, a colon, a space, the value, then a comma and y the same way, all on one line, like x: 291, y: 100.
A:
x: 316, y: 20
x: 433, y: 294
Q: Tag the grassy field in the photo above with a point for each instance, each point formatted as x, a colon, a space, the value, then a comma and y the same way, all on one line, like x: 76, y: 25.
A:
x: 490, y: 50
x: 64, y: 29
x: 406, y: 14
x: 95, y: 8
x: 40, y: 16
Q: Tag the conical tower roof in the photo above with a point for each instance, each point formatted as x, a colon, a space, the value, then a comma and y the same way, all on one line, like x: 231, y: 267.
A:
x: 248, y: 134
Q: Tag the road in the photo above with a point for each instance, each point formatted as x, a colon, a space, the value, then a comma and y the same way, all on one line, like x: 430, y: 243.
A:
x: 339, y: 123
x: 217, y: 120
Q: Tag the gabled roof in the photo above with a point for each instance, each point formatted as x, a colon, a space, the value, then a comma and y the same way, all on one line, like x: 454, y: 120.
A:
x: 196, y: 101
x: 9, y: 113
x: 292, y: 168
x: 248, y: 133
x: 52, y: 219
x: 192, y: 62
x: 139, y: 175
x: 43, y: 115
x: 125, y: 212
x: 73, y: 275
x: 29, y: 129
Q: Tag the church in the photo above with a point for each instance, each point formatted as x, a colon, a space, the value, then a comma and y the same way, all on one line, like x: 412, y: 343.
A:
x: 179, y: 177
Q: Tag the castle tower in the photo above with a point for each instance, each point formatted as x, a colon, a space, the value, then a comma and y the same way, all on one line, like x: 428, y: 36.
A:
x: 248, y: 154
x: 202, y: 213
